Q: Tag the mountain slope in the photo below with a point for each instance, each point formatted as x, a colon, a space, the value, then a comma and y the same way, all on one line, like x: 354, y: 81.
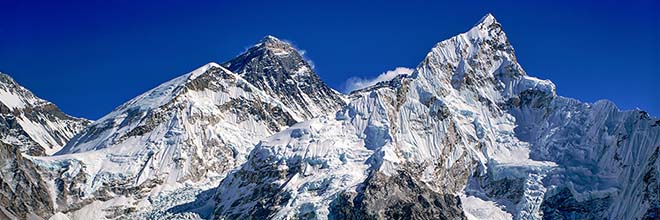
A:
x: 34, y: 125
x: 190, y: 130
x: 201, y: 122
x: 467, y: 135
x: 23, y: 192
x: 187, y: 132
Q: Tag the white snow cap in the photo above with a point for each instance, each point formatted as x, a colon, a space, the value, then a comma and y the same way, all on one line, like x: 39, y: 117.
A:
x: 271, y: 42
x: 488, y: 19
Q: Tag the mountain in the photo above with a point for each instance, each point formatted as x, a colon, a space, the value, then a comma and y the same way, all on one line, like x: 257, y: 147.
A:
x: 279, y: 70
x: 28, y: 126
x: 469, y: 135
x: 34, y: 125
x: 187, y: 132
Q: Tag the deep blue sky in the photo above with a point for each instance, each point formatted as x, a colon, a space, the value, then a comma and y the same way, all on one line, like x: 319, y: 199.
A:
x: 90, y: 57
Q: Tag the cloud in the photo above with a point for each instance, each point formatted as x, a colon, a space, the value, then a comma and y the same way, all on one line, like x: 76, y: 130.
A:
x: 304, y: 56
x: 302, y: 52
x: 355, y: 83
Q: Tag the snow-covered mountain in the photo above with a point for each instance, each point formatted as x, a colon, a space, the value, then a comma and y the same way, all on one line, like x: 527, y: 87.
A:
x: 188, y: 131
x: 468, y: 135
x: 31, y: 126
x: 279, y: 70
x: 34, y: 125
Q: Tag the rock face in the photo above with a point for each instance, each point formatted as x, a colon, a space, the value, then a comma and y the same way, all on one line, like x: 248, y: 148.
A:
x: 190, y: 130
x: 23, y: 191
x: 468, y: 135
x: 400, y: 196
x: 279, y: 70
x: 36, y: 126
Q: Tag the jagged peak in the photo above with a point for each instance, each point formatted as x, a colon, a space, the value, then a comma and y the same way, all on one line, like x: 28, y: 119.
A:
x: 13, y: 95
x: 270, y: 39
x: 275, y: 45
x: 487, y: 20
x: 488, y: 27
x: 6, y: 78
x: 484, y: 41
x: 271, y: 50
x: 201, y: 70
x: 213, y: 64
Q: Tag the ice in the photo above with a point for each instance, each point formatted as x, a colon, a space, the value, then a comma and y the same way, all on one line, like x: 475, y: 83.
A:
x: 477, y: 209
x: 59, y: 216
x: 11, y: 100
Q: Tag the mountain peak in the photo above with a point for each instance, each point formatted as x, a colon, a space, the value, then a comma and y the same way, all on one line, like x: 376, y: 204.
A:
x: 4, y: 78
x: 275, y: 45
x: 488, y: 23
x: 271, y: 39
x: 268, y: 52
x: 276, y: 67
x: 33, y: 125
x: 488, y: 19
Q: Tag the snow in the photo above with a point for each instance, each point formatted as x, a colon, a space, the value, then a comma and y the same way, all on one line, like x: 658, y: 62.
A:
x: 401, y: 130
x: 32, y: 216
x: 48, y: 131
x: 199, y: 71
x: 477, y: 209
x: 11, y: 100
x: 59, y: 216
x: 41, y: 132
x: 98, y: 209
x: 334, y: 160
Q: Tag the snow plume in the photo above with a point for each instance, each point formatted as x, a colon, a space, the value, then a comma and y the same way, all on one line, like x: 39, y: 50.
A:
x: 355, y: 83
x: 302, y: 53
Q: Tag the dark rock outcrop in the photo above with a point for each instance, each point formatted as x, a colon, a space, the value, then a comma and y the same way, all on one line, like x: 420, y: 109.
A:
x: 22, y: 188
x: 395, y: 197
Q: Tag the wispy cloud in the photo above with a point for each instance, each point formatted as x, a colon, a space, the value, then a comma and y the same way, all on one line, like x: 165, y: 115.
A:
x: 304, y: 56
x: 302, y: 52
x: 355, y: 83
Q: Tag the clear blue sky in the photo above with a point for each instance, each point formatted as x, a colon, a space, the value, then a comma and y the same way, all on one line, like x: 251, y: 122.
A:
x: 89, y: 57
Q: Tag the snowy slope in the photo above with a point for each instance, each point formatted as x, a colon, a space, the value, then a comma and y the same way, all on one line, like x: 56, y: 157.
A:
x: 187, y: 132
x: 467, y: 125
x: 191, y: 129
x: 34, y: 125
